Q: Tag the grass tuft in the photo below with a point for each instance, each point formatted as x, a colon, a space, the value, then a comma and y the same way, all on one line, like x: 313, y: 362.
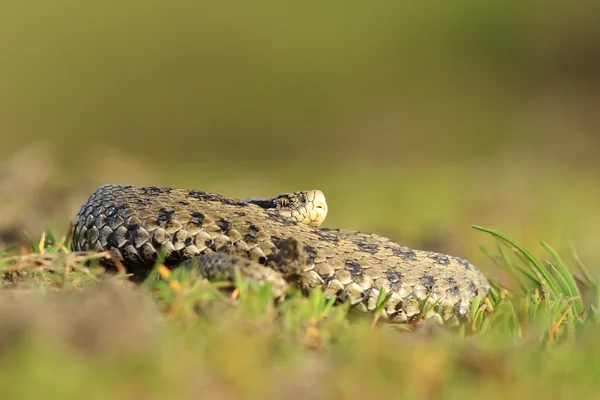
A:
x: 178, y: 335
x: 547, y: 299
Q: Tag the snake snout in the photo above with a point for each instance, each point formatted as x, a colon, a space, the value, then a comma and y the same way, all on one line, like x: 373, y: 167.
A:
x: 319, y: 208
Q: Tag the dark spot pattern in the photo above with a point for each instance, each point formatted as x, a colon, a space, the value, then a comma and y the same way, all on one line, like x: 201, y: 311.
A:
x: 198, y: 218
x: 439, y: 258
x: 428, y: 281
x: 311, y: 253
x: 393, y: 276
x: 464, y: 263
x: 472, y: 287
x: 354, y: 268
x: 111, y: 241
x: 156, y: 191
x: 197, y: 194
x: 164, y: 216
x: 224, y: 224
x: 398, y: 307
x: 326, y: 236
x: 404, y: 252
x: 370, y: 248
x: 145, y: 202
x: 132, y: 232
x: 277, y: 240
x: 131, y: 225
x: 112, y: 213
x: 451, y: 280
x: 252, y: 235
x: 263, y: 203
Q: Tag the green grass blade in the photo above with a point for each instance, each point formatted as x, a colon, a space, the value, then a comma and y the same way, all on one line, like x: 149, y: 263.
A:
x: 551, y: 284
x: 589, y: 281
x: 516, y: 271
x: 566, y: 278
x: 32, y: 244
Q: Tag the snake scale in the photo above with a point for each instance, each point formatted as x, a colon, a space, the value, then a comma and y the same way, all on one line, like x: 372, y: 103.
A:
x: 276, y: 240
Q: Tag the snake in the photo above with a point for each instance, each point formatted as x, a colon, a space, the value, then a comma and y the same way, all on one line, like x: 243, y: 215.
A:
x: 276, y: 240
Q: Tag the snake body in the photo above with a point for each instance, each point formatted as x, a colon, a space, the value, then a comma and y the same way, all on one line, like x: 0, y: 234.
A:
x: 133, y: 222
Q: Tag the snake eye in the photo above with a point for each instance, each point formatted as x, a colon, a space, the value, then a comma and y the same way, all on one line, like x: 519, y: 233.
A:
x: 283, y: 201
x: 302, y: 198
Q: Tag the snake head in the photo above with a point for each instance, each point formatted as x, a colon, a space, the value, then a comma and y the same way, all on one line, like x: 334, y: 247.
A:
x: 306, y: 207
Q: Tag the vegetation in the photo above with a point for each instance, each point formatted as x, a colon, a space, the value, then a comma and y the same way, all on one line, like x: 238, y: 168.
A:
x: 71, y: 330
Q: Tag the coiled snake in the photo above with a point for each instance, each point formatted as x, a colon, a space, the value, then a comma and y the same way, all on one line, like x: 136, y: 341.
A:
x: 275, y: 240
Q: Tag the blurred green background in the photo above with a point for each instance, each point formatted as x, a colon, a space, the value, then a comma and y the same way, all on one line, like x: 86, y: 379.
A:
x: 415, y: 120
